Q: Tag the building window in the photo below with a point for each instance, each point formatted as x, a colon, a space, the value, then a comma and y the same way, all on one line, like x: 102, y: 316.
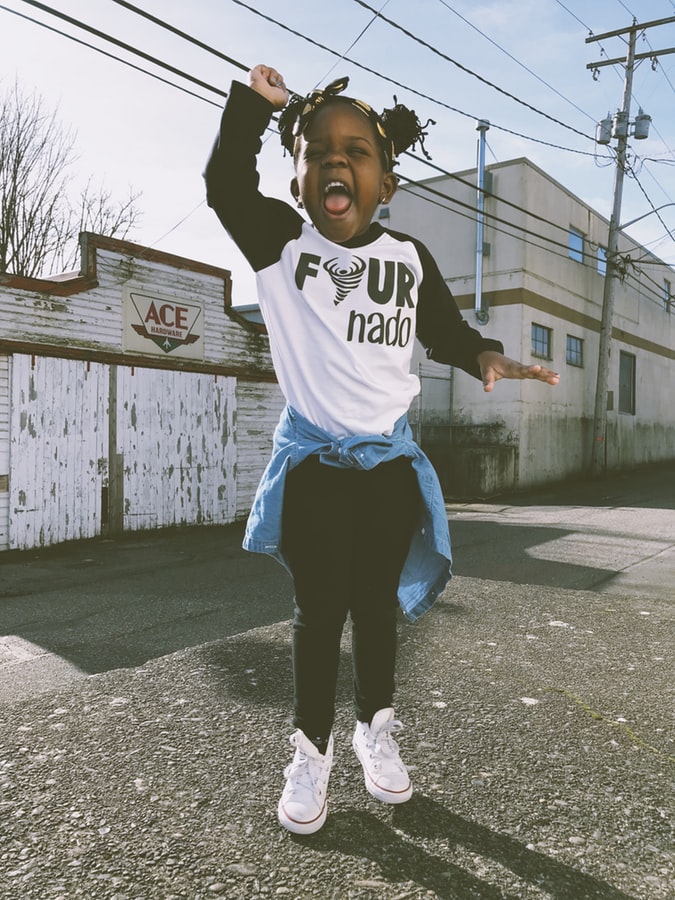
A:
x: 541, y: 341
x: 576, y: 245
x: 626, y: 383
x: 575, y: 351
x: 602, y: 260
x: 667, y: 295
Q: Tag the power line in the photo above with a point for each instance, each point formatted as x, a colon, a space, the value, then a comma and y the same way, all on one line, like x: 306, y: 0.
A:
x: 343, y: 55
x: 468, y: 71
x: 493, y: 216
x: 574, y: 16
x: 177, y: 31
x: 352, y: 45
x: 515, y: 206
x: 548, y: 245
x: 131, y: 6
x: 646, y: 196
x: 467, y: 211
x: 123, y: 45
x: 516, y: 60
x: 399, y: 84
x: 103, y: 52
x: 471, y: 185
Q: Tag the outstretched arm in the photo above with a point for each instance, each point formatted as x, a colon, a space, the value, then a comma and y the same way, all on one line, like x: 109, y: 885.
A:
x: 495, y: 366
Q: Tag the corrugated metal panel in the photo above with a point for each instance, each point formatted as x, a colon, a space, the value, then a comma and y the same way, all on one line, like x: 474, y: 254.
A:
x: 4, y: 452
x: 176, y: 445
x: 258, y: 409
x: 58, y: 443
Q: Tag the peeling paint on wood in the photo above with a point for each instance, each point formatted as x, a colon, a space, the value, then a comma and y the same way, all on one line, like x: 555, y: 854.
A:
x: 175, y: 437
x: 4, y: 452
x: 258, y: 409
x: 58, y: 428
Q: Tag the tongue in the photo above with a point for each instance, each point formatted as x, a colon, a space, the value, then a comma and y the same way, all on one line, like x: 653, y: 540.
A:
x: 337, y: 202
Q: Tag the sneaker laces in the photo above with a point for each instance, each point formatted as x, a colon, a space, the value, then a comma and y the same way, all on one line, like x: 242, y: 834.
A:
x: 305, y: 770
x: 384, y: 742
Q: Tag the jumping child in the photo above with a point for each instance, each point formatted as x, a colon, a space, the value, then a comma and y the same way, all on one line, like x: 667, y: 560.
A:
x: 348, y: 502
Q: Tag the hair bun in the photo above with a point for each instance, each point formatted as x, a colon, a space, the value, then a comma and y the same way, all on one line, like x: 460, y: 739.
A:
x: 404, y: 128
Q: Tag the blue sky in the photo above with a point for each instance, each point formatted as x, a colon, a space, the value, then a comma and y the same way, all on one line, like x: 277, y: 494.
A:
x: 135, y: 131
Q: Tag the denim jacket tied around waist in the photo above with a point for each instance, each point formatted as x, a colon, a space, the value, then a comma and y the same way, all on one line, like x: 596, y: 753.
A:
x: 427, y: 569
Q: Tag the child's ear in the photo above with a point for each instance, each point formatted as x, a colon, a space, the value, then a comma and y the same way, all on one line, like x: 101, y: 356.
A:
x: 389, y: 186
x: 295, y: 189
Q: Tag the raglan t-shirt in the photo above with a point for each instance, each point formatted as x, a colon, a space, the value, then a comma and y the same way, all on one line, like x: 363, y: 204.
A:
x: 341, y: 318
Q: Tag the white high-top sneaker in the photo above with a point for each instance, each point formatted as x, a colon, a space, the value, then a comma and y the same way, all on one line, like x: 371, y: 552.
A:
x: 385, y: 775
x: 303, y: 804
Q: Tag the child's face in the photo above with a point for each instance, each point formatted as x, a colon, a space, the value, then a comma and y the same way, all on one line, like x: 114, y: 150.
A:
x: 340, y: 175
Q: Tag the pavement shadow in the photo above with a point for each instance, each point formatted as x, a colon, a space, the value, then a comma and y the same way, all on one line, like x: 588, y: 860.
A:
x: 650, y: 487
x: 427, y: 818
x: 258, y: 671
x: 104, y: 604
x: 397, y: 852
x: 501, y: 552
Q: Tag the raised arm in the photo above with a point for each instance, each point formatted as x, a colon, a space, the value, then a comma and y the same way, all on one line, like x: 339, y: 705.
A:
x: 259, y: 225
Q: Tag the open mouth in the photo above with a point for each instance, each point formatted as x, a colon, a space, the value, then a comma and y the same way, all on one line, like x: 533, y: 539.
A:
x: 337, y: 198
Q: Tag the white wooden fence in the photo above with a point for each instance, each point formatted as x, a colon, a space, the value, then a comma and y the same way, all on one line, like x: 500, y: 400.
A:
x: 93, y: 445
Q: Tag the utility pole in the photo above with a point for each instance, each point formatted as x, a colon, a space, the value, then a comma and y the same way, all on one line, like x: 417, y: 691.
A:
x: 620, y: 130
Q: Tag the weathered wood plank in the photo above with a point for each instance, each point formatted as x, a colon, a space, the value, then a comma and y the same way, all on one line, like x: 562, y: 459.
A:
x: 58, y: 428
x: 4, y: 451
x: 176, y: 437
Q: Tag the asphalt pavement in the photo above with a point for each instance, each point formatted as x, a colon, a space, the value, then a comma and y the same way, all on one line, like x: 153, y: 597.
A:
x: 144, y: 715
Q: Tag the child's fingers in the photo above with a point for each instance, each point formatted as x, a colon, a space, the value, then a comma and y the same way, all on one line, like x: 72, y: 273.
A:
x: 275, y: 79
x: 541, y: 373
x: 488, y: 380
x: 270, y: 83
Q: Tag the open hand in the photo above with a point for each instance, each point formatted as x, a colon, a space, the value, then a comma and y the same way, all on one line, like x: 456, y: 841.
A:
x: 268, y: 82
x: 495, y: 366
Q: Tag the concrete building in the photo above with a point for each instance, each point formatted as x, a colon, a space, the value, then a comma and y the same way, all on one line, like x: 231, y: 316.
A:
x: 543, y: 272
x: 132, y: 396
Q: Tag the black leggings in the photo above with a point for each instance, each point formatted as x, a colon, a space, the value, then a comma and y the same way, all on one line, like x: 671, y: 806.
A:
x: 346, y: 534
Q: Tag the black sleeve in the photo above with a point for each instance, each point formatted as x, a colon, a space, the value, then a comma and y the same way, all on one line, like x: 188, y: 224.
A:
x: 259, y: 225
x: 446, y: 336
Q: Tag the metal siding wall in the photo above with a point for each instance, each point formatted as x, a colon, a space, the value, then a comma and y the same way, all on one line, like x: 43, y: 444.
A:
x: 258, y: 409
x: 58, y: 428
x: 176, y: 440
x: 4, y: 452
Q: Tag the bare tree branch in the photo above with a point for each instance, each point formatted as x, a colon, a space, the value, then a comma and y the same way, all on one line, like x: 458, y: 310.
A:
x: 39, y: 221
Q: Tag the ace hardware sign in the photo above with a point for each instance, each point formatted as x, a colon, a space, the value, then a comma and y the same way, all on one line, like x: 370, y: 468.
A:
x: 163, y: 325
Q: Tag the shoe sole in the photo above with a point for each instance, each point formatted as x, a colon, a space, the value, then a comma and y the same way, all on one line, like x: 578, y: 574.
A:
x: 298, y: 827
x: 381, y: 794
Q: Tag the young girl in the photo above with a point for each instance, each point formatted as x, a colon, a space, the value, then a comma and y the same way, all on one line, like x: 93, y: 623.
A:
x: 349, y: 503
